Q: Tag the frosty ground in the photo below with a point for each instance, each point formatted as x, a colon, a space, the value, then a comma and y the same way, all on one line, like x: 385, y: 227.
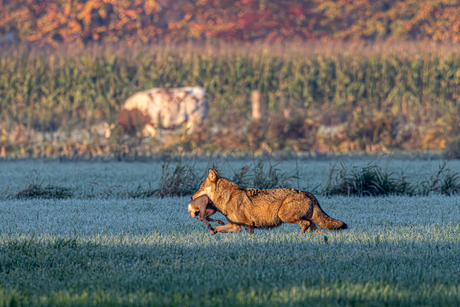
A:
x: 398, y: 251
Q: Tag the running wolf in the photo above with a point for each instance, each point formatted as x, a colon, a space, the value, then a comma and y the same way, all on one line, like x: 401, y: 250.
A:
x: 254, y: 208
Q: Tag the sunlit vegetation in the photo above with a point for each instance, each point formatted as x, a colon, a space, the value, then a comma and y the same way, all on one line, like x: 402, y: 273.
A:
x: 316, y: 99
x: 82, y: 21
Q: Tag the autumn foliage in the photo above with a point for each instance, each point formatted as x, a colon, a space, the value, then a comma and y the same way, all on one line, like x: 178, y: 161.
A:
x: 82, y: 21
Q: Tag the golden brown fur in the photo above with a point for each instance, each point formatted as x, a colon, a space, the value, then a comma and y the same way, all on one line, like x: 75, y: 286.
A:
x: 254, y: 208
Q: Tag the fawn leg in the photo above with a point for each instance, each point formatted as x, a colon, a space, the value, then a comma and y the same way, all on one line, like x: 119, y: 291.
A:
x: 216, y: 221
x: 204, y: 220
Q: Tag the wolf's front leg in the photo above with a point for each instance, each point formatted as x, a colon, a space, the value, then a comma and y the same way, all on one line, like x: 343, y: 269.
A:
x: 249, y: 230
x: 227, y: 228
x: 215, y: 221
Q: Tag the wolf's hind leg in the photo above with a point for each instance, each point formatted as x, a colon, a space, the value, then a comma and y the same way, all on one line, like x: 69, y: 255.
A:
x: 311, y: 226
x: 289, y: 214
x: 308, y: 225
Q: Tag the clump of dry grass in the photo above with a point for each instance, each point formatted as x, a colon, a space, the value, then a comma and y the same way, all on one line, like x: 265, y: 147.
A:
x: 369, y: 180
x: 262, y: 175
x: 41, y: 191
x: 178, y: 180
x: 372, y: 180
x: 142, y: 192
x: 444, y: 181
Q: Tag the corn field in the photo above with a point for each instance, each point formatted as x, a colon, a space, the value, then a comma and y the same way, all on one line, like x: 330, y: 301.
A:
x: 403, y: 100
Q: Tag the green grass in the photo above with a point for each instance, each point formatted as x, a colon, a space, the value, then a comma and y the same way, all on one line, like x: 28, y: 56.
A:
x: 399, y: 251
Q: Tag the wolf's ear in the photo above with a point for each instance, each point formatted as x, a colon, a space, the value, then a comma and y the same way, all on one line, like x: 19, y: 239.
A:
x: 213, y: 175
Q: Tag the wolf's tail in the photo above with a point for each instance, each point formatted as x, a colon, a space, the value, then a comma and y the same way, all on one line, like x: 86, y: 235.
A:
x: 325, y: 221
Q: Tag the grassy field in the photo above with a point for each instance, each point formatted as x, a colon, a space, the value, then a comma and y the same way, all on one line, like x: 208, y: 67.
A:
x: 399, y: 251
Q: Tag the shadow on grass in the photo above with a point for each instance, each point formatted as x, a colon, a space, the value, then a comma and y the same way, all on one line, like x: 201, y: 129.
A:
x: 216, y: 272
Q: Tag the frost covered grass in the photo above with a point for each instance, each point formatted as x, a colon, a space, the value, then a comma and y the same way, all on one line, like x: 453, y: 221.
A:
x: 399, y: 251
x: 95, y: 178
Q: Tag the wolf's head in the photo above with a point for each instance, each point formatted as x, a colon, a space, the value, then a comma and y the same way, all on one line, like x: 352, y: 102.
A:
x: 208, y: 186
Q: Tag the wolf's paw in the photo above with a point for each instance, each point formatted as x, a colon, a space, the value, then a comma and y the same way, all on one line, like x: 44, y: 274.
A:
x: 212, y: 232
